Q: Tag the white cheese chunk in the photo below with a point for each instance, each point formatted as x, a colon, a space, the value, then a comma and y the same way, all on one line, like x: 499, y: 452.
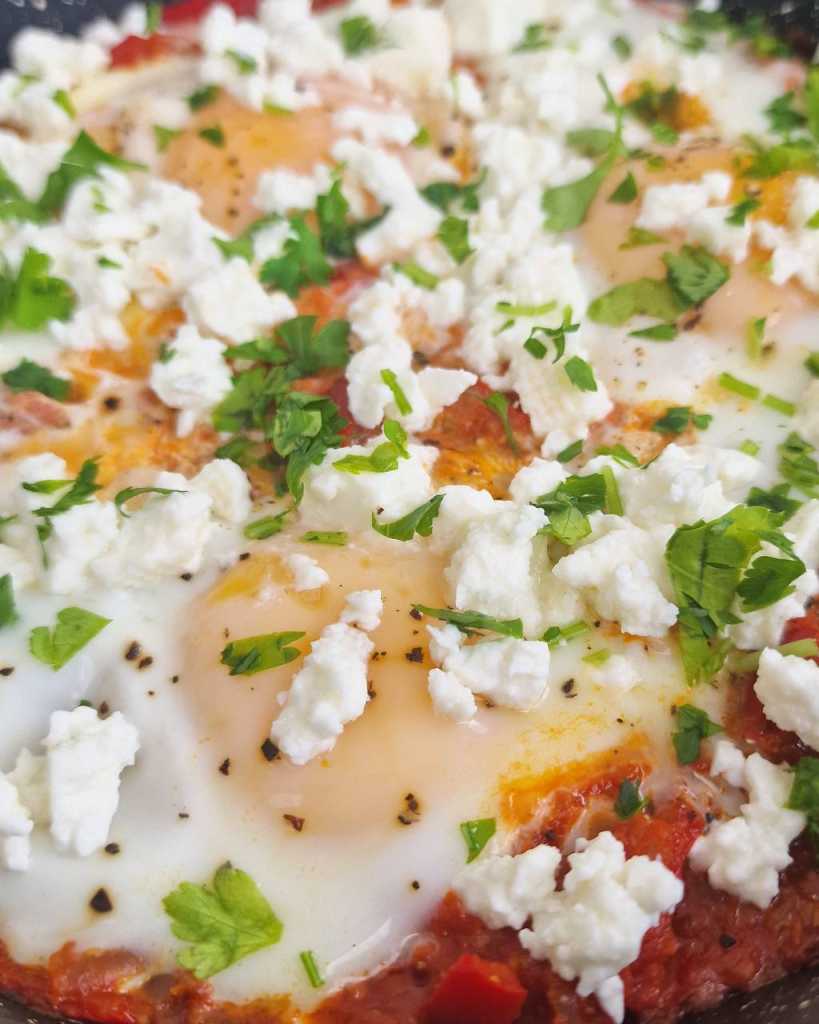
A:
x: 228, y: 488
x: 230, y: 303
x: 85, y: 756
x: 450, y: 697
x: 377, y: 126
x: 307, y: 573
x: 78, y: 538
x: 281, y: 190
x: 510, y: 672
x: 363, y: 608
x: 15, y: 828
x: 328, y: 692
x: 539, y: 477
x: 504, y: 891
x: 482, y: 28
x: 744, y: 855
x: 789, y: 690
x: 416, y: 55
x: 194, y: 379
x: 728, y: 762
x: 336, y: 500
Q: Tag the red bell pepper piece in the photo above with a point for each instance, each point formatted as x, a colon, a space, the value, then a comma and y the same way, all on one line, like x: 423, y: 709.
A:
x: 192, y: 10
x: 476, y: 991
x: 138, y: 49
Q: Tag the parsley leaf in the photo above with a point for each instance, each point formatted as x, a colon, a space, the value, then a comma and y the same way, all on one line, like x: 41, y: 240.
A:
x: 418, y: 521
x: 74, y: 629
x: 302, y: 261
x: 768, y: 581
x: 79, y: 492
x: 629, y: 800
x: 267, y: 526
x: 535, y: 37
x: 469, y: 621
x: 82, y: 160
x: 453, y: 233
x: 694, y: 274
x: 444, y: 193
x: 693, y: 726
x: 557, y: 335
x: 476, y: 835
x: 337, y: 232
x: 8, y: 610
x: 334, y: 538
x: 580, y: 374
x: 203, y: 97
x: 591, y: 141
x: 620, y: 454
x: 797, y: 466
x: 499, y: 404
x: 739, y: 211
x: 626, y: 191
x: 33, y: 298
x: 776, y: 499
x: 310, y: 352
x: 164, y: 136
x: 29, y: 376
x: 416, y: 274
x: 570, y: 504
x: 571, y: 451
x: 358, y: 34
x: 647, y: 296
x: 245, y: 64
x: 124, y: 496
x: 213, y: 134
x: 656, y: 332
x: 383, y: 458
x: 555, y: 636
x: 804, y: 794
x: 676, y: 419
x: 224, y: 922
x: 402, y: 403
x: 637, y: 237
x: 255, y: 654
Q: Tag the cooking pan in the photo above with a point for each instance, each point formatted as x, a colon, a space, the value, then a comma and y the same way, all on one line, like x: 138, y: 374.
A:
x: 793, y: 999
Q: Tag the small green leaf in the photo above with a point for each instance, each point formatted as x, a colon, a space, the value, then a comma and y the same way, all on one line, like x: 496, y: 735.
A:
x: 383, y: 458
x: 535, y: 37
x: 692, y: 726
x: 74, y: 629
x: 357, y: 35
x: 29, y: 376
x: 469, y: 621
x: 82, y: 160
x: 694, y: 274
x: 740, y: 210
x: 644, y: 297
x: 223, y: 922
x: 580, y: 374
x: 164, y: 136
x: 626, y: 191
x: 245, y: 64
x: 477, y: 834
x: 638, y: 237
x: 302, y: 261
x: 399, y: 397
x: 213, y: 134
x: 8, y: 610
x: 203, y: 97
x: 308, y: 962
x: 570, y: 451
x: 812, y: 364
x: 255, y: 654
x: 63, y: 100
x: 453, y: 233
x: 499, y: 404
x: 629, y: 801
x: 797, y: 466
x: 124, y: 496
x: 622, y: 47
x: 267, y: 526
x: 620, y: 454
x: 335, y: 538
x: 418, y: 521
x: 657, y: 332
x: 423, y: 278
x: 555, y: 636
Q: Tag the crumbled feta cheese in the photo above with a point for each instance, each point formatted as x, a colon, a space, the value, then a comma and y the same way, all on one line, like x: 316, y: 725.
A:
x: 668, y: 207
x: 616, y: 673
x: 281, y: 190
x: 410, y: 218
x: 230, y: 303
x: 788, y: 688
x: 228, y: 488
x: 728, y: 761
x: 363, y: 608
x: 335, y: 500
x: 15, y: 828
x: 78, y: 538
x: 450, y: 697
x: 594, y: 926
x: 194, y: 379
x: 744, y: 855
x: 505, y: 538
x: 505, y: 891
x: 465, y: 94
x: 461, y: 506
x: 510, y: 672
x: 58, y: 60
x: 621, y: 570
x: 416, y: 55
x: 539, y: 477
x: 329, y: 691
x: 377, y: 126
x: 85, y: 756
x: 483, y: 28
x: 29, y: 164
x: 307, y: 573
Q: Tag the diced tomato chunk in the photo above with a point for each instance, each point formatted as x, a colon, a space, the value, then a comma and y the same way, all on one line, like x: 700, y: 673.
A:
x: 138, y: 49
x: 192, y: 10
x: 325, y: 5
x: 476, y: 991
x: 806, y: 627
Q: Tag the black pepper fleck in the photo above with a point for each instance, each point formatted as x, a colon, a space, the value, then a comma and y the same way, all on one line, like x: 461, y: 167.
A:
x: 174, y: 679
x: 269, y: 750
x: 568, y: 688
x: 145, y: 662
x: 244, y: 556
x: 183, y: 815
x: 416, y: 614
x: 224, y: 767
x: 104, y: 709
x: 295, y: 821
x: 415, y: 884
x: 412, y: 810
x: 133, y: 651
x: 186, y: 576
x: 416, y: 655
x: 7, y: 671
x: 726, y: 941
x: 111, y: 403
x: 447, y: 150
x: 112, y: 848
x: 101, y: 902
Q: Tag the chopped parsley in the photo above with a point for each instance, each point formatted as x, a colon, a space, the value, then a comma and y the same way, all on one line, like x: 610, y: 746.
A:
x: 797, y: 465
x: 213, y: 134
x: 656, y: 332
x: 416, y: 274
x: 468, y: 622
x: 555, y: 636
x: 302, y: 261
x: 535, y: 37
x: 29, y: 376
x: 357, y: 35
x: 124, y: 496
x: 570, y: 504
x: 245, y: 64
x: 444, y: 194
x: 82, y: 160
x: 203, y: 97
x: 626, y: 191
x: 755, y: 337
x: 333, y: 538
x: 692, y: 726
x: 622, y: 47
x: 75, y: 627
x: 76, y: 492
x: 571, y: 451
x: 308, y: 962
x: 629, y: 801
x: 580, y: 374
x: 740, y: 210
x: 257, y: 653
x: 267, y: 526
x: 499, y: 404
x: 776, y: 499
x: 32, y: 297
x: 738, y: 387
x: 620, y: 454
x: 402, y: 403
x: 477, y: 834
x: 223, y: 922
x: 419, y: 521
x: 638, y: 237
x: 804, y: 794
x: 8, y: 609
x: 383, y: 458
x: 677, y: 417
x: 812, y: 364
x: 336, y: 231
x: 557, y: 335
x: 453, y: 233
